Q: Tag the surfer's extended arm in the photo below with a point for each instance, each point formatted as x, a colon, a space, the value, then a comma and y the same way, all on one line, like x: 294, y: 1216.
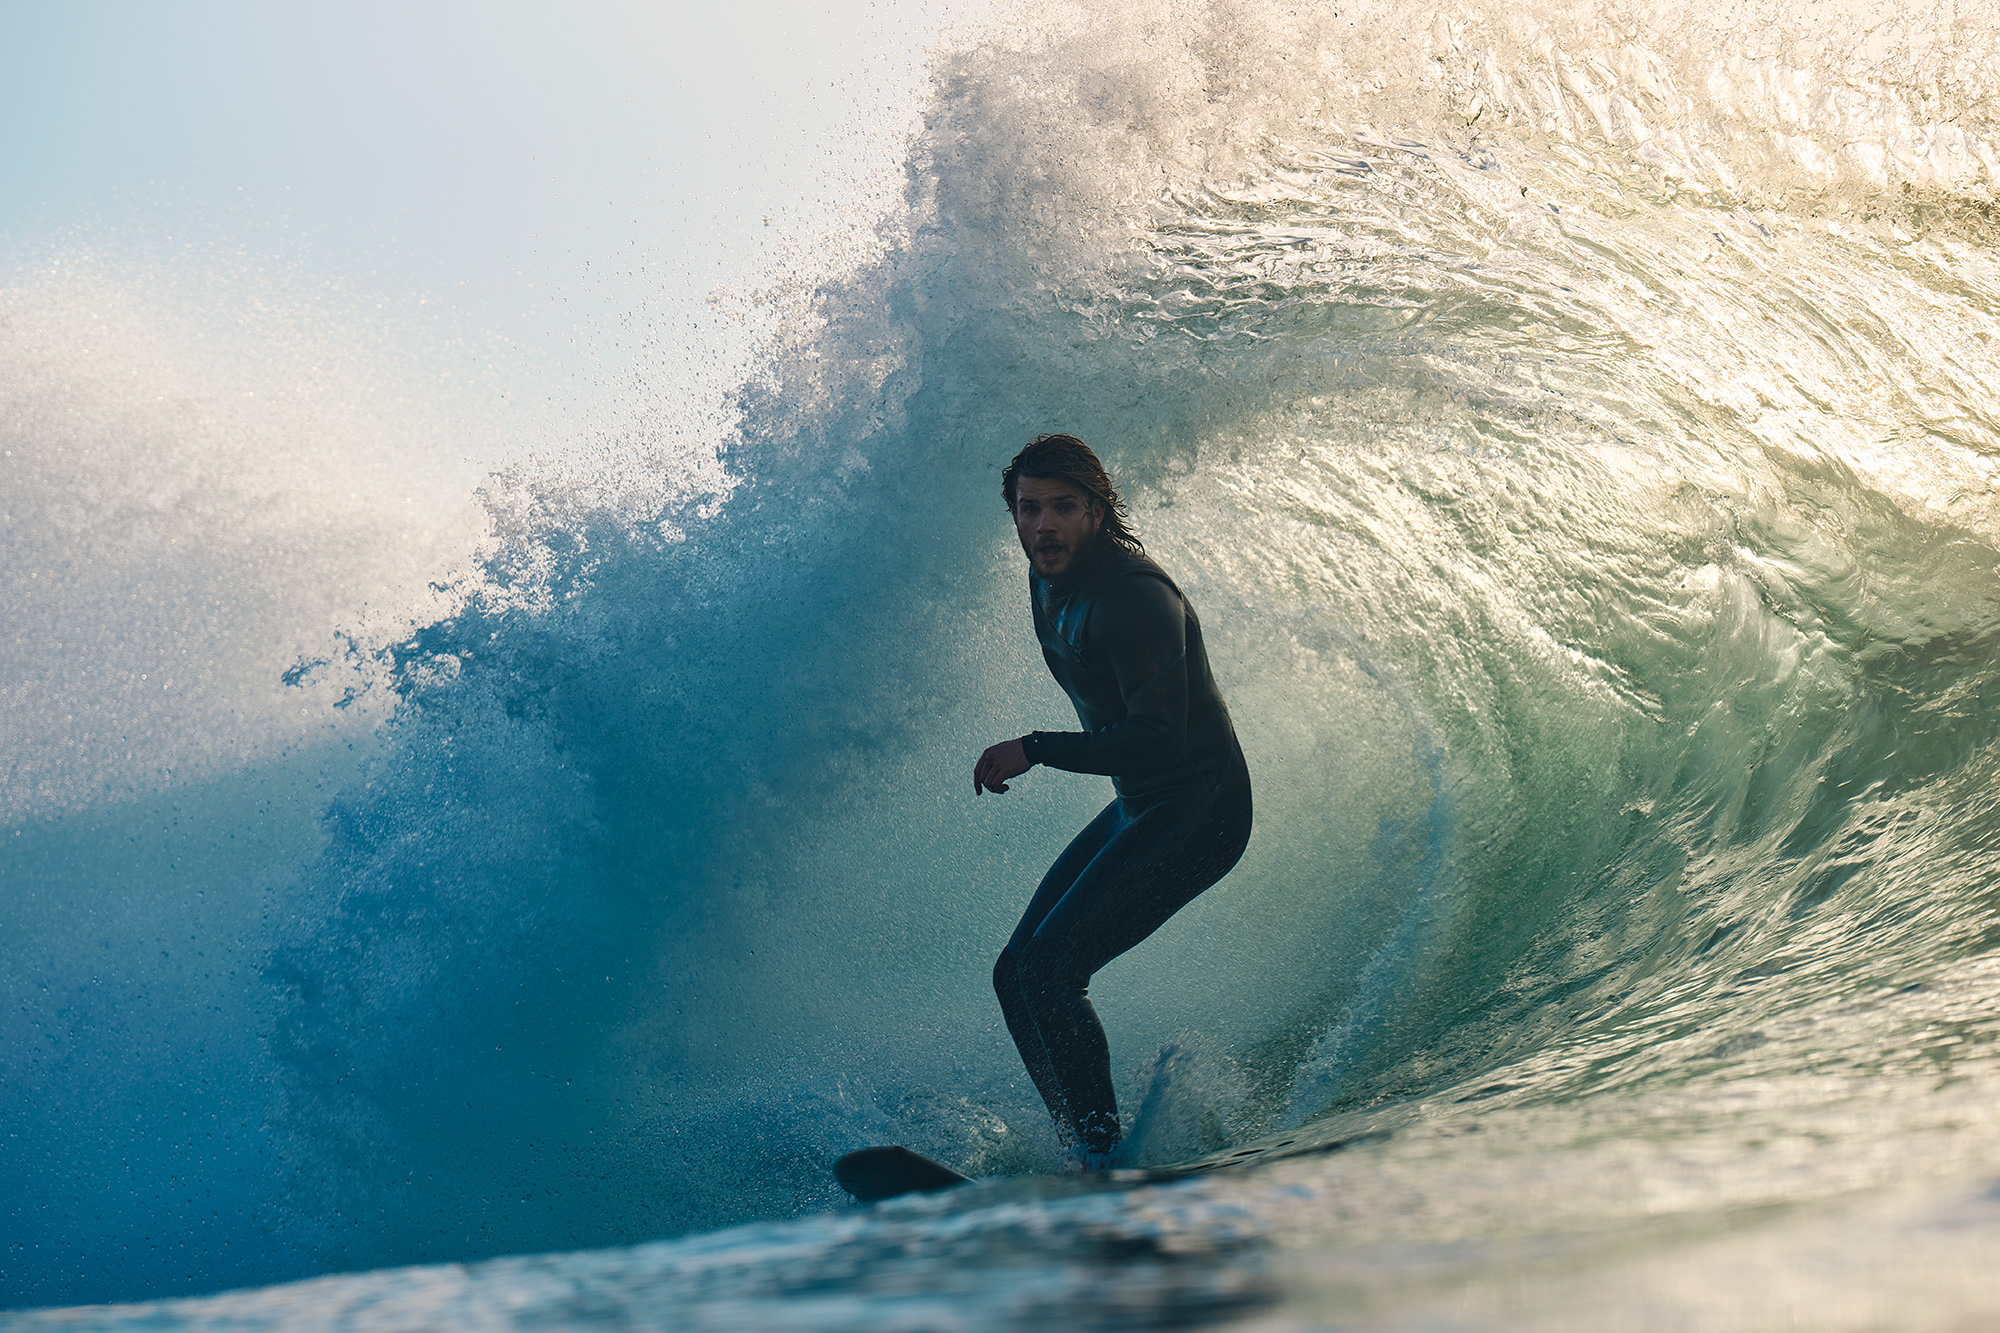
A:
x: 1140, y: 626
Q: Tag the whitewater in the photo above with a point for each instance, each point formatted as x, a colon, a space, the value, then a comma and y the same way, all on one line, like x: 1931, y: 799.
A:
x: 1577, y: 429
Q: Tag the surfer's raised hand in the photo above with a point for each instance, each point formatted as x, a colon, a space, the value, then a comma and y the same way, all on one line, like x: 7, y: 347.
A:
x: 999, y: 763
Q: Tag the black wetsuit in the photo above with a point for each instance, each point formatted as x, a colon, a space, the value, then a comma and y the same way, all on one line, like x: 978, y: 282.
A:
x: 1126, y: 647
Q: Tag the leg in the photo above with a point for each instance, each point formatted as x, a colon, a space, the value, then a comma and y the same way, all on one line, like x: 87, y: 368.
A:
x: 1007, y: 983
x: 1149, y: 867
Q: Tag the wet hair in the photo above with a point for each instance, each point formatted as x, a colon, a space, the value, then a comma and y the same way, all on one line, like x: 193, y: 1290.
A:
x: 1066, y: 458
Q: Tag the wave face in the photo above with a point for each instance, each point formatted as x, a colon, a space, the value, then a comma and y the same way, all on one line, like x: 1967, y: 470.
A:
x: 1578, y: 433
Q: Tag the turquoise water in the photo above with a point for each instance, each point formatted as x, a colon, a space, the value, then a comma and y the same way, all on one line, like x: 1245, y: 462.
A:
x: 1577, y: 431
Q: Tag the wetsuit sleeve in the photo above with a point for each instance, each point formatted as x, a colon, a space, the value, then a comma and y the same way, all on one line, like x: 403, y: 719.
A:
x: 1140, y: 626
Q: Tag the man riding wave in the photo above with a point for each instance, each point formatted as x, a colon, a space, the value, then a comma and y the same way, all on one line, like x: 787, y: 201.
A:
x: 1124, y: 643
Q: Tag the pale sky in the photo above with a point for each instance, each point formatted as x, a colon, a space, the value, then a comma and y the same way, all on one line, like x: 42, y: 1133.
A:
x: 476, y: 155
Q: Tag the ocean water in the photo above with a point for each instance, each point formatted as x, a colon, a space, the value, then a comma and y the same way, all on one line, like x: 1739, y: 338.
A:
x: 1577, y: 428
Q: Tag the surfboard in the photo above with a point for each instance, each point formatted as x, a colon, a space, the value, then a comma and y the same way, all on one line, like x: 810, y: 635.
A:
x: 873, y: 1174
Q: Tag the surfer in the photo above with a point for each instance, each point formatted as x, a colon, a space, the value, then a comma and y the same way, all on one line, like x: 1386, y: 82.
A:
x: 1124, y: 643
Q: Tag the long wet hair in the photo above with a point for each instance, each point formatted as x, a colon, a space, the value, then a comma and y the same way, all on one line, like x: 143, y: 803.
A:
x: 1066, y: 458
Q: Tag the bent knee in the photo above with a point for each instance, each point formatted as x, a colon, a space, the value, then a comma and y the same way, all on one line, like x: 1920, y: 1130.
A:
x: 1039, y: 968
x: 1018, y: 971
x: 1006, y: 972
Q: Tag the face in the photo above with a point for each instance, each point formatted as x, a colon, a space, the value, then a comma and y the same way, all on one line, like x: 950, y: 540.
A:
x: 1056, y: 523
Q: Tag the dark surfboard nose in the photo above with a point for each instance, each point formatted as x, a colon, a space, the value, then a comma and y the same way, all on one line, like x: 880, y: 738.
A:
x: 884, y: 1173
